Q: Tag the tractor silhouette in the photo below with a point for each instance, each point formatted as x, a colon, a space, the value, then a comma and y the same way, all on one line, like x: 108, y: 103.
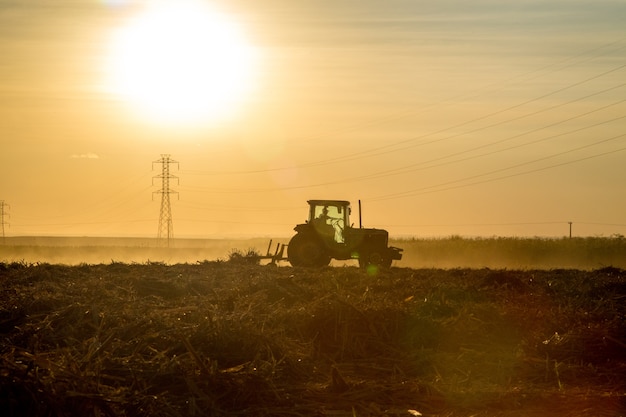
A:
x: 328, y: 234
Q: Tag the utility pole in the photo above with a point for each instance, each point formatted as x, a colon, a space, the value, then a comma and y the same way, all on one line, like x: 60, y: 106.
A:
x: 3, y: 214
x: 166, y: 227
x: 570, y: 230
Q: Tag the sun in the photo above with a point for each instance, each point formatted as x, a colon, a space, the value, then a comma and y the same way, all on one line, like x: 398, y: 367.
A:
x: 181, y: 62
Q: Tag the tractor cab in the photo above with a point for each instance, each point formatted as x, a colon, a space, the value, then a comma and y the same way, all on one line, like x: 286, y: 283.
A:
x: 329, y: 218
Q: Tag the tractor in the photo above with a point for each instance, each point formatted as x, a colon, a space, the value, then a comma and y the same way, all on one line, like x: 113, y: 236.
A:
x: 328, y: 234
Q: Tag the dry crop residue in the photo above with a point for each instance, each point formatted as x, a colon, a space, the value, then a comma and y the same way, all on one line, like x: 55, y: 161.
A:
x: 222, y: 339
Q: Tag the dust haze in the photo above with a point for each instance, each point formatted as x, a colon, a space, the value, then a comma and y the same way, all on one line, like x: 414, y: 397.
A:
x: 450, y: 252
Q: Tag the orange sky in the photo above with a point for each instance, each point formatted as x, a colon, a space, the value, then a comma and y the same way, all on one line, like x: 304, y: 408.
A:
x: 444, y: 117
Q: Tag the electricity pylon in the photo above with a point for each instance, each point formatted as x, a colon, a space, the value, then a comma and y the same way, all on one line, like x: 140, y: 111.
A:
x: 3, y: 214
x: 166, y: 226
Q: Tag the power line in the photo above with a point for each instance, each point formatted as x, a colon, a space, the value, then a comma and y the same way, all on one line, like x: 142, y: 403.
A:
x: 493, y: 87
x: 419, y: 166
x: 409, y: 142
x: 385, y: 149
x: 412, y: 167
x: 433, y: 188
x: 230, y: 209
x: 108, y: 222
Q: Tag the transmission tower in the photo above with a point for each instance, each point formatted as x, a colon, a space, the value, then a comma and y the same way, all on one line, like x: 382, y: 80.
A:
x: 166, y: 227
x: 3, y: 214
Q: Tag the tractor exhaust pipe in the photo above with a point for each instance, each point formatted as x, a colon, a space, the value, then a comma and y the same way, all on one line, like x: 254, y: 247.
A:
x: 360, y: 224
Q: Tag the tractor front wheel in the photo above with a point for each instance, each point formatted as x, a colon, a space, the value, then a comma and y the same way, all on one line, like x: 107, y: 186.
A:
x: 306, y: 251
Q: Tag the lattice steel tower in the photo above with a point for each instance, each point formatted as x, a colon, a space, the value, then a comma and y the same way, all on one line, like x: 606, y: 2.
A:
x: 166, y: 227
x: 3, y: 214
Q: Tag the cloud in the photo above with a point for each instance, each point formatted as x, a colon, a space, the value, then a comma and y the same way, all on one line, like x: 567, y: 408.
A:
x: 88, y: 155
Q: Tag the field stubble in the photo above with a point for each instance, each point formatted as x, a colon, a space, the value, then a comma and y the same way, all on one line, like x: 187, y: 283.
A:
x: 225, y: 338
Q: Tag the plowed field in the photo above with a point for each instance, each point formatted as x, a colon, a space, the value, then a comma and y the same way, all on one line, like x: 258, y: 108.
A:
x: 223, y: 339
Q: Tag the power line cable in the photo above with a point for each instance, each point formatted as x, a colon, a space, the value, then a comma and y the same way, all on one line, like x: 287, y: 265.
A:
x: 515, y: 136
x: 424, y: 190
x: 480, y: 91
x: 375, y: 151
x: 389, y: 148
x: 420, y: 165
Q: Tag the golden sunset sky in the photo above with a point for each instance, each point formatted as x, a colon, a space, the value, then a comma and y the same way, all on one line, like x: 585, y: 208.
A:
x: 481, y: 118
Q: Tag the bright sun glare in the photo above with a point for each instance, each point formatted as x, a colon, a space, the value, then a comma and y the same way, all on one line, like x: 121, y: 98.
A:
x: 180, y: 62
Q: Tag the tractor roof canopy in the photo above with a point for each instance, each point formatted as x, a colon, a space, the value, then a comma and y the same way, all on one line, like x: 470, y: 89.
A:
x: 343, y: 203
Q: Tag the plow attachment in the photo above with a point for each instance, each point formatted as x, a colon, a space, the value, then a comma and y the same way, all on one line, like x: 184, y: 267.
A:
x: 278, y: 255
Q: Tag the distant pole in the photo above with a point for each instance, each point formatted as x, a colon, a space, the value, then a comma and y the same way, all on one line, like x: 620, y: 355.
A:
x: 166, y: 226
x: 3, y: 214
x: 570, y: 230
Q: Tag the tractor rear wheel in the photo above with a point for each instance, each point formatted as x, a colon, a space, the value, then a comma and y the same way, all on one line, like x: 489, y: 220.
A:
x: 374, y: 258
x: 307, y: 251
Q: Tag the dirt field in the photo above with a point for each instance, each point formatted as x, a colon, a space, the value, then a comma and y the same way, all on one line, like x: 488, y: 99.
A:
x: 223, y: 339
